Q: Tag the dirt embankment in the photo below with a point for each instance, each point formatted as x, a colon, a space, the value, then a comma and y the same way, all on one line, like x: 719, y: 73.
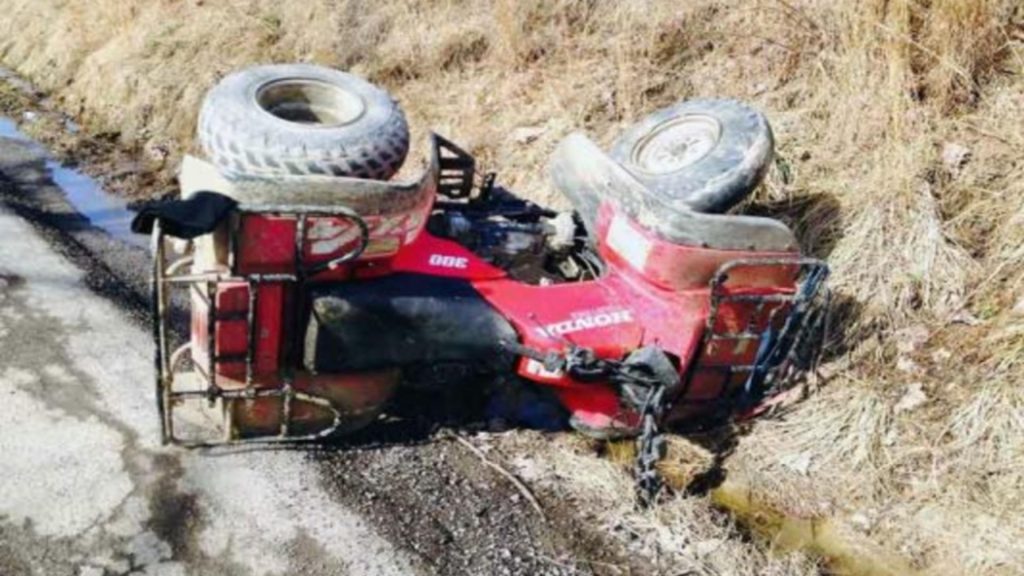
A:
x: 902, y: 164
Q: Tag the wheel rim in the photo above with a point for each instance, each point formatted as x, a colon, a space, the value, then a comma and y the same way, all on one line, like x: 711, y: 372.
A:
x: 311, y: 103
x: 676, y: 144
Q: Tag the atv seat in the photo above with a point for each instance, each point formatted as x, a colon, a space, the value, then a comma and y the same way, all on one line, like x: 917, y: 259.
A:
x: 589, y: 178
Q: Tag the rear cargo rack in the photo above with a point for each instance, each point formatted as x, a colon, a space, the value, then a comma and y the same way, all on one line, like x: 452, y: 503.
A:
x: 782, y: 335
x: 174, y: 387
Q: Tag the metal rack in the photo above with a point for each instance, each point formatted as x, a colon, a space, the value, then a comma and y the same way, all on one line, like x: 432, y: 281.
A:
x: 780, y: 339
x: 170, y: 275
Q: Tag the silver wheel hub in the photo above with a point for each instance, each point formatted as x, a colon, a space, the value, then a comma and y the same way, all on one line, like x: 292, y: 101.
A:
x: 676, y: 144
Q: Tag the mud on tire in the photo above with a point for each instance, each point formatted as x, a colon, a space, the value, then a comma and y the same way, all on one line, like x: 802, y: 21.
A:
x: 300, y: 119
x: 705, y: 155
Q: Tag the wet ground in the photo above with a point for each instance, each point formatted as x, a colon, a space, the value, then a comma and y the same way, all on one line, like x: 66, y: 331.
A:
x: 104, y: 211
x: 87, y: 489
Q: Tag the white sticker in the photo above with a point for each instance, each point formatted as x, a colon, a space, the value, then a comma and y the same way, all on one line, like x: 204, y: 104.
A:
x: 325, y: 236
x: 628, y: 243
x: 537, y: 369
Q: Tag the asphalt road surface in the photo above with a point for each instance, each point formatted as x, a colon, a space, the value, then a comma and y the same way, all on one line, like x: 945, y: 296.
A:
x: 85, y: 487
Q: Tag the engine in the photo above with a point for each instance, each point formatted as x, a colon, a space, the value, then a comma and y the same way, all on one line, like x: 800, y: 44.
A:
x: 531, y: 243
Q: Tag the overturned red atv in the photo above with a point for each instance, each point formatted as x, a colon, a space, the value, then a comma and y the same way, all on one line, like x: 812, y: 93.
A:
x: 319, y: 285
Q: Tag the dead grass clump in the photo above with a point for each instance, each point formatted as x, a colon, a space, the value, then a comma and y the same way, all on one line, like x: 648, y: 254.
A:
x: 11, y: 99
x: 876, y: 88
x: 843, y: 433
x: 871, y: 114
x: 962, y: 45
x: 684, y: 463
x: 685, y: 535
x: 929, y: 460
x: 896, y: 254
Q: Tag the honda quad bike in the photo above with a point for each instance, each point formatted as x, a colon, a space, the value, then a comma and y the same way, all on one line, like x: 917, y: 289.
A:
x: 318, y: 284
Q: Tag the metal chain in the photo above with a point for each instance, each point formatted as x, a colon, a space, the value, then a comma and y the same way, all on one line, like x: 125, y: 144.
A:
x: 637, y: 378
x: 650, y: 447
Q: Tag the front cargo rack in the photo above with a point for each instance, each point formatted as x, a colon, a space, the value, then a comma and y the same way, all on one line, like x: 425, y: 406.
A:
x: 756, y: 344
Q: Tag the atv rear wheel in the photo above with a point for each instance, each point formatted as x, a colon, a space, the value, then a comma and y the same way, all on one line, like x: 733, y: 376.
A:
x: 705, y: 155
x: 299, y: 119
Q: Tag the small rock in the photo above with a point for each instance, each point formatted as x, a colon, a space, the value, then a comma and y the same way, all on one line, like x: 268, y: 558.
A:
x: 906, y: 365
x: 30, y: 116
x: 910, y: 339
x: 964, y: 316
x: 913, y: 398
x: 955, y: 156
x: 799, y: 463
x: 705, y: 547
x: 528, y: 468
x: 1018, y: 308
x: 941, y: 355
x: 861, y: 522
x: 527, y: 134
x: 157, y: 152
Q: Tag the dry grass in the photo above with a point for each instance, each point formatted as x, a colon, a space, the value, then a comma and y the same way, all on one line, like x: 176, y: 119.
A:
x: 684, y: 535
x: 869, y: 99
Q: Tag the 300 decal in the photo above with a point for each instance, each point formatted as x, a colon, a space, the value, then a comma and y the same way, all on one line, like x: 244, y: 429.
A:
x: 446, y: 261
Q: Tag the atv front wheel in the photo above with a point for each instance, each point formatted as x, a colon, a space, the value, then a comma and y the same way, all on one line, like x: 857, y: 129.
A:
x: 705, y: 155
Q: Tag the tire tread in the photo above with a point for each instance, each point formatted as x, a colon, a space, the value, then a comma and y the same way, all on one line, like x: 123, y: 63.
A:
x: 367, y: 149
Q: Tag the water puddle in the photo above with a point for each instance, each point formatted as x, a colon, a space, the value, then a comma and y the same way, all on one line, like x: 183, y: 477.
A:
x: 103, y: 210
x: 844, y: 552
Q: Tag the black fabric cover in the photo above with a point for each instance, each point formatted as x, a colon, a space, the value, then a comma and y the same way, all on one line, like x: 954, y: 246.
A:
x: 402, y: 320
x: 194, y: 216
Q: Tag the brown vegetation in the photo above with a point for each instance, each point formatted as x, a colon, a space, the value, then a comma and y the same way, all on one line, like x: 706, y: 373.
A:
x: 899, y: 126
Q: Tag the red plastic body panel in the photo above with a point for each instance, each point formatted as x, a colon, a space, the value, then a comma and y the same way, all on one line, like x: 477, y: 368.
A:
x: 653, y: 292
x: 232, y: 303
x: 266, y: 243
